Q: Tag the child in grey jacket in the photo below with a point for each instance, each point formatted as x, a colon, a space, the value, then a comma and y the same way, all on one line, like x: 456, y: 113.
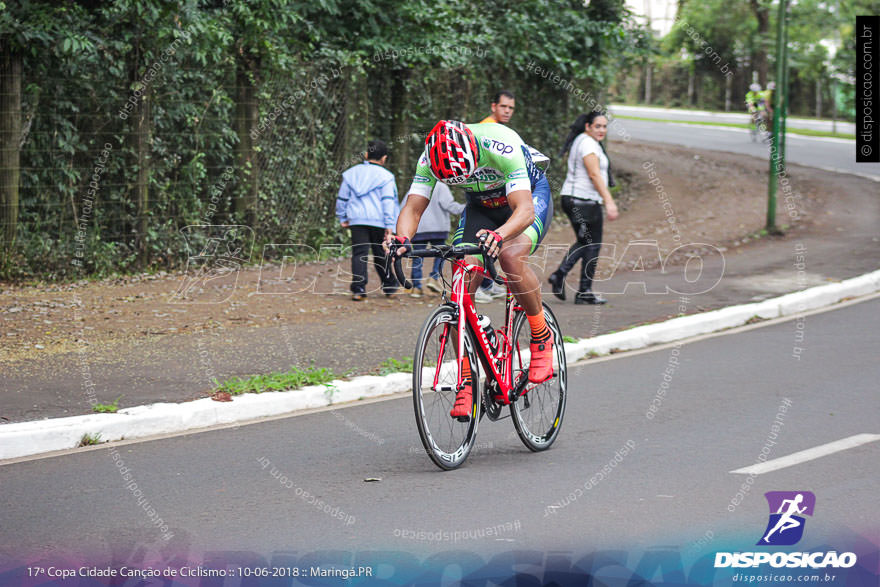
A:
x: 433, y: 230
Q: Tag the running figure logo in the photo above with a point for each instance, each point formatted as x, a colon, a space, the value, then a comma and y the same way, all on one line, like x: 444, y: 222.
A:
x: 786, y: 525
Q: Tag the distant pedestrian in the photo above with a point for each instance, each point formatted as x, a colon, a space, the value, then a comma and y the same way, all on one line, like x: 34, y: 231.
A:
x: 584, y: 193
x: 367, y: 205
x: 501, y: 108
x: 433, y: 230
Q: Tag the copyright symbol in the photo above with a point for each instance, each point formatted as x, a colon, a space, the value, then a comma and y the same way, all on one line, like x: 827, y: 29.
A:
x: 866, y: 150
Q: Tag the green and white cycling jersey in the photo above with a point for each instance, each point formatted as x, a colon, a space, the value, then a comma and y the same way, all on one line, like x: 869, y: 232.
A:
x: 505, y: 164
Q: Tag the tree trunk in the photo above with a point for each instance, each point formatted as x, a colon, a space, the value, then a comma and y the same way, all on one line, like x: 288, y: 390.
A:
x: 348, y: 101
x: 728, y: 90
x: 762, y: 14
x: 691, y: 75
x: 247, y: 114
x: 142, y: 140
x: 818, y: 98
x: 400, y: 122
x: 10, y: 144
x: 833, y: 105
x: 648, y: 82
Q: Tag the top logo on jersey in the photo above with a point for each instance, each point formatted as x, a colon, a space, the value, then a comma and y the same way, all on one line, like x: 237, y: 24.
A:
x: 496, y: 146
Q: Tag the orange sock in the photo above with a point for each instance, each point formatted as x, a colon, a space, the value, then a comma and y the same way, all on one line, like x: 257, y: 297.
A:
x: 540, y: 331
x: 465, y: 369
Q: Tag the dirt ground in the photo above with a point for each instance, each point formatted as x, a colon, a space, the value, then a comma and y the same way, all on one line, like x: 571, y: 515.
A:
x: 719, y: 199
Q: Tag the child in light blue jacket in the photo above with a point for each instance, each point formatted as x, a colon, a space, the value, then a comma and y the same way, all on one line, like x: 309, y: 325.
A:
x: 367, y: 205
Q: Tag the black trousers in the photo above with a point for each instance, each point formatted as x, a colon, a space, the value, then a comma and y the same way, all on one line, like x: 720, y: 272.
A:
x: 365, y: 239
x: 586, y: 218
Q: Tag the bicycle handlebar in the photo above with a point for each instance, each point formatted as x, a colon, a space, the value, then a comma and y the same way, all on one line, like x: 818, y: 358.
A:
x: 447, y: 252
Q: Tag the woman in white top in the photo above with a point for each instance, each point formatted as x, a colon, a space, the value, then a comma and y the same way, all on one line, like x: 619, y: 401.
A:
x: 584, y: 194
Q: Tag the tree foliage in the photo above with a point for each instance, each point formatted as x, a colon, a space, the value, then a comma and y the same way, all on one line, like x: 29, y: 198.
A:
x: 282, y: 92
x: 743, y: 33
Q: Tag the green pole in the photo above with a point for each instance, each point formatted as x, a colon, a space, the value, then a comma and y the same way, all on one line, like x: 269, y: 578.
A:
x: 774, y: 140
x: 783, y: 122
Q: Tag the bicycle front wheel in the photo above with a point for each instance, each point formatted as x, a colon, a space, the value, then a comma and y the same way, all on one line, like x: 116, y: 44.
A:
x: 537, y: 414
x: 447, y: 440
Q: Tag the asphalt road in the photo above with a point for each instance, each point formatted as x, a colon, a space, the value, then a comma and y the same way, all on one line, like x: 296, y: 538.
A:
x: 819, y: 152
x: 242, y: 493
x: 736, y: 117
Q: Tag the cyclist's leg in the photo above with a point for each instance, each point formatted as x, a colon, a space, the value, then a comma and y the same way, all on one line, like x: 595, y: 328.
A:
x: 524, y: 284
x: 521, y: 279
x: 473, y: 219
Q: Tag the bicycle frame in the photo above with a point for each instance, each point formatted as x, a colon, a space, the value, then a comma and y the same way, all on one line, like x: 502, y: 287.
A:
x: 467, y: 314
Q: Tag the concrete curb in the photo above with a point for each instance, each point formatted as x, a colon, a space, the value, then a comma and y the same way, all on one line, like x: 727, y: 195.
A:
x: 31, y: 438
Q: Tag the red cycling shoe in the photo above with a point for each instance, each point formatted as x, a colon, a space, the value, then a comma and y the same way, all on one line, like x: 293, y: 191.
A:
x: 464, y: 401
x: 541, y: 363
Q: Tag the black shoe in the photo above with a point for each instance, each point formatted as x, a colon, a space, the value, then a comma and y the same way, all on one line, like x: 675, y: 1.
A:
x: 358, y: 296
x: 558, y: 282
x: 588, y: 297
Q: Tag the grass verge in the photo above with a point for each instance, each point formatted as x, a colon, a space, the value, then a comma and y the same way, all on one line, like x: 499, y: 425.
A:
x: 389, y: 366
x: 293, y: 379
x: 90, y: 440
x: 110, y: 408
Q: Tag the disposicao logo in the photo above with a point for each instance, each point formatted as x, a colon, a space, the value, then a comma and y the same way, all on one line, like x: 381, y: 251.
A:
x: 786, y: 525
x: 785, y: 528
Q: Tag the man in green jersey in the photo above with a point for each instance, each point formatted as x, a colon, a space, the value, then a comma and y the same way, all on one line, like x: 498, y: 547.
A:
x: 508, y: 202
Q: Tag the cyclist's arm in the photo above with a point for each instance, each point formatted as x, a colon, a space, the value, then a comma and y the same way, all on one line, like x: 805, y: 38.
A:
x: 523, y: 214
x: 591, y: 162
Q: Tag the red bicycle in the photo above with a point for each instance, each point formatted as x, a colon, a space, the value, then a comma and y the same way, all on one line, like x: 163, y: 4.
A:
x: 454, y: 331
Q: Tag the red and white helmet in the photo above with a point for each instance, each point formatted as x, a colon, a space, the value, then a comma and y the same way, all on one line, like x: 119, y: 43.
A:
x: 451, y: 150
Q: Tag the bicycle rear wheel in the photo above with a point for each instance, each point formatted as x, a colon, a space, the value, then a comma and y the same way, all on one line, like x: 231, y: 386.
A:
x: 435, y: 376
x: 537, y: 414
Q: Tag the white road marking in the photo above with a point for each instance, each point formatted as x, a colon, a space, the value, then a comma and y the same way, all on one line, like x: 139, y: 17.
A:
x: 808, y: 454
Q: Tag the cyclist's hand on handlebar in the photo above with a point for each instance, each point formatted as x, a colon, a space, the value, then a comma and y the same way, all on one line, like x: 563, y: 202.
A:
x: 491, y: 242
x: 397, y: 245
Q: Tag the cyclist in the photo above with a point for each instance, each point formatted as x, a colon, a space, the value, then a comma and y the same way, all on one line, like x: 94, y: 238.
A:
x: 508, y: 204
x: 754, y: 99
x: 767, y: 97
x: 757, y: 106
